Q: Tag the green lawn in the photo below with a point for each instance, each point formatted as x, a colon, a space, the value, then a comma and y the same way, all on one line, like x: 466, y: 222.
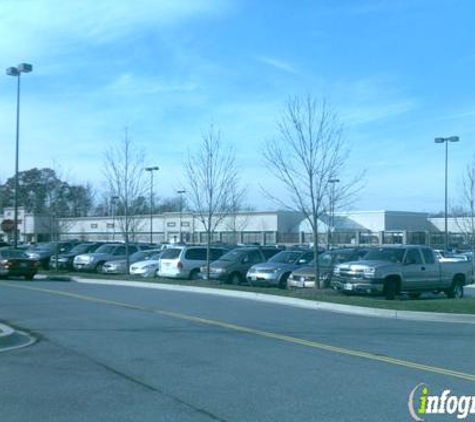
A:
x: 427, y: 302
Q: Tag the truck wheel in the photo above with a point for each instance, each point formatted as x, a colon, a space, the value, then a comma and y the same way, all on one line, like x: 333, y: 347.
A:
x: 390, y: 290
x: 455, y: 291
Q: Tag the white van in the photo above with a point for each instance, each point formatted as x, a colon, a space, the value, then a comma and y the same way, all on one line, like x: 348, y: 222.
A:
x: 183, y: 261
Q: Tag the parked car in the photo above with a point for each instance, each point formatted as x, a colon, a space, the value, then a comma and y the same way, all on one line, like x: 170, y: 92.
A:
x: 119, y: 266
x: 148, y: 267
x: 44, y: 251
x: 17, y: 263
x: 94, y: 261
x: 64, y: 261
x: 185, y: 261
x: 234, y: 265
x: 408, y: 268
x: 277, y: 269
x: 305, y: 276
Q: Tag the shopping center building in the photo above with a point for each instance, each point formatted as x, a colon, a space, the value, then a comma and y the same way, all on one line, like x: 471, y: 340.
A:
x: 263, y: 227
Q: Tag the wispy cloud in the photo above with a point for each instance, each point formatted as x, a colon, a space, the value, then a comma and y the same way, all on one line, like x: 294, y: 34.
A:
x: 361, y: 114
x: 278, y: 64
x: 127, y: 84
x: 29, y: 25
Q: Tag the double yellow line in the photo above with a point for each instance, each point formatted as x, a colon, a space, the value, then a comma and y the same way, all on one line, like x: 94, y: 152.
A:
x: 260, y: 333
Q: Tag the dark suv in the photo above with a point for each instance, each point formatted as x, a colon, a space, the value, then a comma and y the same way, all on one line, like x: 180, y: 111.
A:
x: 232, y: 267
x: 64, y: 261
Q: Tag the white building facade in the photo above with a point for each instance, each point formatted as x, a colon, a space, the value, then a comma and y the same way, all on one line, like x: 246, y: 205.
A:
x: 261, y: 227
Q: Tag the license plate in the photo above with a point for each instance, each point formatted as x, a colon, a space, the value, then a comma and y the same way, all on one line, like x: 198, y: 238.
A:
x: 253, y: 278
x: 348, y: 286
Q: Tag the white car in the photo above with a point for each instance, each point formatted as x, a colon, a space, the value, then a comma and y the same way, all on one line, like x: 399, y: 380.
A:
x: 146, y: 268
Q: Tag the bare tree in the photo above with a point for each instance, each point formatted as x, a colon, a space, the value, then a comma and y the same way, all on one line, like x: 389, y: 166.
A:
x: 123, y: 170
x: 236, y: 223
x: 210, y: 173
x: 466, y: 219
x: 308, y: 153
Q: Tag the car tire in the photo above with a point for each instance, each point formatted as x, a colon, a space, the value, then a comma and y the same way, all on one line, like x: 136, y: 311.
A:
x: 100, y: 267
x: 235, y: 279
x: 283, y: 281
x: 390, y: 289
x: 414, y: 296
x: 455, y: 291
x: 29, y: 277
x: 194, y: 275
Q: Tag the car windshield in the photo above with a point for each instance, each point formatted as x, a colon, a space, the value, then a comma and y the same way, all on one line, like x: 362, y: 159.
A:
x: 325, y: 259
x: 139, y: 255
x: 171, y: 253
x: 385, y: 254
x: 81, y: 248
x: 46, y: 246
x: 12, y: 253
x: 106, y: 249
x: 234, y: 255
x: 155, y: 256
x: 287, y: 257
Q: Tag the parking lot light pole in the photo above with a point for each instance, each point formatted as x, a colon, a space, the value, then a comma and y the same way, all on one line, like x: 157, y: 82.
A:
x: 181, y: 192
x: 17, y: 71
x: 332, y: 210
x: 446, y: 141
x: 151, y: 170
x: 114, y: 200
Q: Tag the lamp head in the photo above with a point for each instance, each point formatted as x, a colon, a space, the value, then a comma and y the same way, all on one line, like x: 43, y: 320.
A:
x: 24, y: 68
x: 12, y: 71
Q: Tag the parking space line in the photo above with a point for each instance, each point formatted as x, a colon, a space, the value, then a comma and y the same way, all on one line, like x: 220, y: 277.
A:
x: 256, y: 332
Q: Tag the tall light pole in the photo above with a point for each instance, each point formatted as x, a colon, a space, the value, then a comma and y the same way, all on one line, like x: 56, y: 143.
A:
x: 332, y: 210
x: 151, y: 170
x: 181, y: 192
x: 446, y: 141
x: 17, y: 71
x: 114, y: 200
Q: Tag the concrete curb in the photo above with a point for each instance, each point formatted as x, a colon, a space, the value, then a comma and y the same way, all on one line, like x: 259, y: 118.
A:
x: 5, y: 332
x: 12, y: 339
x: 295, y: 302
x: 469, y: 290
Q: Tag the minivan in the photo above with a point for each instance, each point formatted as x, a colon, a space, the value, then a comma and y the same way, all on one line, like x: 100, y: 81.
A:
x: 185, y: 261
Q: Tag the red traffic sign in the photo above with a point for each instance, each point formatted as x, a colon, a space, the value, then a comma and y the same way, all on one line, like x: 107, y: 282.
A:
x: 7, y: 225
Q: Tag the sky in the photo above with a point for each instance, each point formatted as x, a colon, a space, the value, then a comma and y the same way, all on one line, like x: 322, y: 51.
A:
x: 397, y: 73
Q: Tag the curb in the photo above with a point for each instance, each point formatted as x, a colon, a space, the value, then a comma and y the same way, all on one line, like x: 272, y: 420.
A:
x: 469, y: 290
x: 5, y: 332
x: 295, y: 302
x: 12, y: 339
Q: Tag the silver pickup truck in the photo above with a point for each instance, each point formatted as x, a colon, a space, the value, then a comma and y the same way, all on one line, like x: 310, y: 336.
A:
x: 390, y: 270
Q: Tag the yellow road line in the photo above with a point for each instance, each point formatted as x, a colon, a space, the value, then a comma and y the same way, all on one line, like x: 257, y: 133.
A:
x: 267, y: 334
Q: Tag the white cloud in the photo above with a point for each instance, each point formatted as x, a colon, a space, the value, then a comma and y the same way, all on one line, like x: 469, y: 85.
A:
x: 278, y: 64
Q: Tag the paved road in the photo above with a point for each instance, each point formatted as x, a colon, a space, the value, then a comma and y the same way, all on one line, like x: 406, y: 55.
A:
x: 108, y: 353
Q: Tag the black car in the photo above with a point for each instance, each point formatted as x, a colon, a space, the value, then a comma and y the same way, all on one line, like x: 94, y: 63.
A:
x: 17, y: 263
x: 44, y: 251
x: 64, y: 261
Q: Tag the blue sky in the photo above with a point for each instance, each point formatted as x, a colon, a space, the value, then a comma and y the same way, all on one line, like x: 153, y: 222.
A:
x: 398, y: 73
